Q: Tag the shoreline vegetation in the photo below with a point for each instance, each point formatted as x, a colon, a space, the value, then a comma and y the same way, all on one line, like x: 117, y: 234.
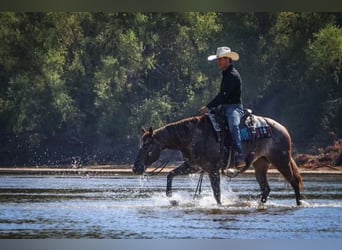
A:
x: 77, y: 87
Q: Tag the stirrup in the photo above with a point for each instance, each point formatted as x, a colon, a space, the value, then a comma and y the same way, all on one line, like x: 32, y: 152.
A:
x: 232, y: 172
x: 240, y: 165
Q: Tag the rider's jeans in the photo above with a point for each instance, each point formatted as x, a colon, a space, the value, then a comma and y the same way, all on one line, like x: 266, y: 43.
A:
x: 234, y: 113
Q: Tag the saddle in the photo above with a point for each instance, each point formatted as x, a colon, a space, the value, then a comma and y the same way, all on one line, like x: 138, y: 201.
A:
x: 252, y: 127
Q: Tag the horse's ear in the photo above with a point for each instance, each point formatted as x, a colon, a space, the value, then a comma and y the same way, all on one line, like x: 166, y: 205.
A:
x: 143, y: 130
x: 150, y: 131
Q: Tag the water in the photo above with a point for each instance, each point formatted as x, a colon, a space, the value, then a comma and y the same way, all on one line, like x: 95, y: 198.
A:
x: 130, y: 207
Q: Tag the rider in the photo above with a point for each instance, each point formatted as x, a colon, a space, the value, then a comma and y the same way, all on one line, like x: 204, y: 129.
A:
x: 229, y: 97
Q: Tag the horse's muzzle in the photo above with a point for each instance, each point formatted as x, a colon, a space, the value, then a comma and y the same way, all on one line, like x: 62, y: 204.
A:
x: 138, y: 167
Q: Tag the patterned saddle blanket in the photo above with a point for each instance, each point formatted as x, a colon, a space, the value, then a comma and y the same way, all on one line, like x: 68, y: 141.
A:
x: 252, y: 127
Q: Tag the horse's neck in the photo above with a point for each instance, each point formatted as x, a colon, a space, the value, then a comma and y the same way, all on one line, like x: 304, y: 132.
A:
x: 174, y: 136
x: 167, y: 139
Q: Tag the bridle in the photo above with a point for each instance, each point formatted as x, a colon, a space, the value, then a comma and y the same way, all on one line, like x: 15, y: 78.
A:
x: 157, y: 169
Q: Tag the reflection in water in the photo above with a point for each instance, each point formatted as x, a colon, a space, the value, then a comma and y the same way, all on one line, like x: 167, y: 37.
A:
x: 130, y: 207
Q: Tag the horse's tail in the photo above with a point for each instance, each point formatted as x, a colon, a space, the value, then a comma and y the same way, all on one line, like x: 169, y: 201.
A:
x: 296, y: 173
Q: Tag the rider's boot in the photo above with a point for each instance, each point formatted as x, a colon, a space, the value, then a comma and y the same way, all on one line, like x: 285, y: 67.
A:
x: 235, y: 169
x: 239, y: 162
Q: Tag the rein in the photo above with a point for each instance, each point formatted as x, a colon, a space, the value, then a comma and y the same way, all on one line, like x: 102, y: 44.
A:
x: 199, y: 186
x: 158, y: 169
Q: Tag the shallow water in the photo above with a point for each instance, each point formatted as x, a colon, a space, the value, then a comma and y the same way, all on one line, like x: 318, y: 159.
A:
x: 129, y: 207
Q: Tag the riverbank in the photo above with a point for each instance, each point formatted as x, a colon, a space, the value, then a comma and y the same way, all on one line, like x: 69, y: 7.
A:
x: 328, y: 161
x: 115, y: 170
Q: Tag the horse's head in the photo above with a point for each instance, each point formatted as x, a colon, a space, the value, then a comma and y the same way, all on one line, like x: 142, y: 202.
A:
x: 149, y: 152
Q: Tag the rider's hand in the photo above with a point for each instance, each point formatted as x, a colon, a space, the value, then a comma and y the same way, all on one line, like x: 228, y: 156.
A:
x: 203, y: 110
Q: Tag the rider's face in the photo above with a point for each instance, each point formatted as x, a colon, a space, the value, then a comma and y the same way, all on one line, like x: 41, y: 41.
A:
x: 223, y: 63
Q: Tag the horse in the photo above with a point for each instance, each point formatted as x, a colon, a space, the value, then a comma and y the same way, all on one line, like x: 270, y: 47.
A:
x: 197, y: 141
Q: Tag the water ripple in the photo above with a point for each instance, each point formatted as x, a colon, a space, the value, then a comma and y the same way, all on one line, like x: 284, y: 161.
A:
x: 133, y: 207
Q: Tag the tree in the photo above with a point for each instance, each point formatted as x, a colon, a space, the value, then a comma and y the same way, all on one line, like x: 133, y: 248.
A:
x: 324, y: 56
x: 96, y: 78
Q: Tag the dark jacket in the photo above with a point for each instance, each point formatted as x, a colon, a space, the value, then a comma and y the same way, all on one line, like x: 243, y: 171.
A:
x: 230, y: 90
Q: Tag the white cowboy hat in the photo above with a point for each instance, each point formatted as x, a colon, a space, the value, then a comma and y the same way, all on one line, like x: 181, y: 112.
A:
x: 224, y: 52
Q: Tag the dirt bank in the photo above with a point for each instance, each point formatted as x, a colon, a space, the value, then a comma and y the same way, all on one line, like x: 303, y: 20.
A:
x: 115, y: 171
x: 329, y: 158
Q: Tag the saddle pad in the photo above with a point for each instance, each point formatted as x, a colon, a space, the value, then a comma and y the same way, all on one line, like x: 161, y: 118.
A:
x: 254, y: 127
x: 214, y: 123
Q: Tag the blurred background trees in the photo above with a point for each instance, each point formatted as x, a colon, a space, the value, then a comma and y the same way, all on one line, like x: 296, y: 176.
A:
x: 83, y: 84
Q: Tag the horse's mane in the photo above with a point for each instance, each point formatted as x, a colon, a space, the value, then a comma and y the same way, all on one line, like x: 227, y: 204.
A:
x: 178, y: 130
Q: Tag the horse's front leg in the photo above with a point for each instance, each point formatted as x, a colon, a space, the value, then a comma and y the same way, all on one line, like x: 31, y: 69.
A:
x: 183, y: 169
x: 214, y: 177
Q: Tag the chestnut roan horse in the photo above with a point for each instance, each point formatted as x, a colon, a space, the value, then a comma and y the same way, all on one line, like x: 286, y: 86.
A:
x: 201, y: 151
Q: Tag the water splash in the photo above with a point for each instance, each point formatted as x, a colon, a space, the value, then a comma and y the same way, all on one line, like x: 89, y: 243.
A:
x: 136, y: 207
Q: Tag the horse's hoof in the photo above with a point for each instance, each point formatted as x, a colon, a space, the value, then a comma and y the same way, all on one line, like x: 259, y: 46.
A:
x: 261, y: 206
x: 299, y: 203
x: 263, y: 199
x: 174, y: 202
x: 168, y: 194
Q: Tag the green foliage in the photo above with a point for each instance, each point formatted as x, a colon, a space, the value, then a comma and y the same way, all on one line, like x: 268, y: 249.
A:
x: 154, y: 112
x: 324, y: 53
x: 100, y: 77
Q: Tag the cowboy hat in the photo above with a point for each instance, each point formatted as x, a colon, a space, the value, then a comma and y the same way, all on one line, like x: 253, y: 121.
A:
x: 224, y: 52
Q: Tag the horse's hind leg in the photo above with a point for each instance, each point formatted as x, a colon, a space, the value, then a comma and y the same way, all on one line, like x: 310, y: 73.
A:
x: 288, y: 168
x: 261, y: 167
x: 183, y: 169
x: 295, y: 180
